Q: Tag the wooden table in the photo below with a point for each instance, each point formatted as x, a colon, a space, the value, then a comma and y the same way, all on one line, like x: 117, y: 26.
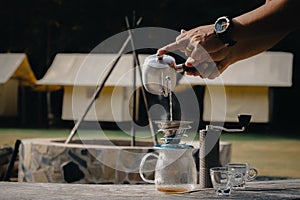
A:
x: 276, y: 189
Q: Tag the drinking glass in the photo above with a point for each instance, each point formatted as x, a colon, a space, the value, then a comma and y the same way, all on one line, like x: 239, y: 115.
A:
x: 248, y: 174
x: 220, y: 178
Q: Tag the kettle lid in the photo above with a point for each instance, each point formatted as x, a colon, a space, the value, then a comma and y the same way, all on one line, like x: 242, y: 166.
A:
x: 160, y: 61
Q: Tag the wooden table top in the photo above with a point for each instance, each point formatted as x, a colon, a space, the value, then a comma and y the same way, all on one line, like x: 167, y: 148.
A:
x: 275, y: 189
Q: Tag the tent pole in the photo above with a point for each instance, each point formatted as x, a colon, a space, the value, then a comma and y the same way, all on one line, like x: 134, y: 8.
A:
x: 97, y: 91
x: 142, y: 88
x: 134, y: 113
x: 134, y: 117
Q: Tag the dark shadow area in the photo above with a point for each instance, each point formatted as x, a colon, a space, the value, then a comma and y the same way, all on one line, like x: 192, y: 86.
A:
x: 43, y: 28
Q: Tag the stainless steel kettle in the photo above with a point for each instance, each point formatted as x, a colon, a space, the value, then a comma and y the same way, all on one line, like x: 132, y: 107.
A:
x: 158, y: 75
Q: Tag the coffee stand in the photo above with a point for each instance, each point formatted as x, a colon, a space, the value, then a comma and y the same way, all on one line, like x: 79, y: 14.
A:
x: 209, y: 138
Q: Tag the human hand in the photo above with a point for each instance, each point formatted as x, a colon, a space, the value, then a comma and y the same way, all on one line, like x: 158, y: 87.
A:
x: 199, y: 45
x: 210, y: 56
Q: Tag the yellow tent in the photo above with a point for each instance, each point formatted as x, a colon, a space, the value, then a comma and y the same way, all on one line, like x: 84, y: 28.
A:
x: 14, y: 71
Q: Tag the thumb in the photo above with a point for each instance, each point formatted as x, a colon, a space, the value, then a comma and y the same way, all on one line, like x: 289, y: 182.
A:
x: 190, y: 62
x: 161, y: 51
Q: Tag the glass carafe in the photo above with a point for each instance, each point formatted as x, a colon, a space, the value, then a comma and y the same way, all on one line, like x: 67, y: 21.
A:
x: 175, y: 170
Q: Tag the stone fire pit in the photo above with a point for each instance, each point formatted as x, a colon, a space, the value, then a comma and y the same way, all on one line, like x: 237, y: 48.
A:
x: 95, y: 161
x: 50, y: 160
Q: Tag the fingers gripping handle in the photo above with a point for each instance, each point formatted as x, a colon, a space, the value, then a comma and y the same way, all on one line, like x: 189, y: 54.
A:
x: 141, y: 170
x: 184, y: 68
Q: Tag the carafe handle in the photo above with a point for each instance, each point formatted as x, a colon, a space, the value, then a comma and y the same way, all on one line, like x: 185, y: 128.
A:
x: 252, y: 174
x: 142, y: 166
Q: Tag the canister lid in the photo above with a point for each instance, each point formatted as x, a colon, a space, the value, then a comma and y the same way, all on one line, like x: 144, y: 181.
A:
x: 173, y: 146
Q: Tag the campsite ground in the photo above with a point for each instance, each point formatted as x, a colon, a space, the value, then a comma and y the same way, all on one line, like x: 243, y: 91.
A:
x: 273, y: 155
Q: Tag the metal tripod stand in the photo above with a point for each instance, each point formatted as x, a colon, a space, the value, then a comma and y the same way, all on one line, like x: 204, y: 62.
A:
x: 100, y: 86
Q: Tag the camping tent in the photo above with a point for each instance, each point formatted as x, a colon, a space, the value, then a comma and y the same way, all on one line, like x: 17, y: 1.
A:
x: 242, y: 88
x: 15, y: 70
x: 246, y: 87
x: 79, y: 74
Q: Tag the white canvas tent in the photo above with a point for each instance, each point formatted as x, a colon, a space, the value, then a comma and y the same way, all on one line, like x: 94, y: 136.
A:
x: 14, y: 71
x: 79, y: 74
x: 246, y: 84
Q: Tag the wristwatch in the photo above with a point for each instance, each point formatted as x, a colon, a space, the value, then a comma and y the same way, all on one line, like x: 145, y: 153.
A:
x: 222, y: 29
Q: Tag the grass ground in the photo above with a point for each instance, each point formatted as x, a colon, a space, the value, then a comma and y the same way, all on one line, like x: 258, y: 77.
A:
x: 272, y: 155
x: 275, y: 156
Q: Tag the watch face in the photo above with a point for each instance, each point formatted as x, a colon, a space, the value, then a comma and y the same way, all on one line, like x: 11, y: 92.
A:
x: 221, y: 24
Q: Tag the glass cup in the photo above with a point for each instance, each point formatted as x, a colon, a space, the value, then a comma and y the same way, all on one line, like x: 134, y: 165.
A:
x: 248, y: 174
x: 221, y: 180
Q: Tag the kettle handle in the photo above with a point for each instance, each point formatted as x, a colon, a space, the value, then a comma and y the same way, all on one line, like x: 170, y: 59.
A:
x: 142, y: 166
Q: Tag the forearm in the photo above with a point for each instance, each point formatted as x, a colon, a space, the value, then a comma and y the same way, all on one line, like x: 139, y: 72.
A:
x: 278, y: 16
x: 249, y: 48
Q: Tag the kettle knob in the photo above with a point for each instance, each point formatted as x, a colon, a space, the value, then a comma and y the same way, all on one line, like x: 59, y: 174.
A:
x: 159, y: 57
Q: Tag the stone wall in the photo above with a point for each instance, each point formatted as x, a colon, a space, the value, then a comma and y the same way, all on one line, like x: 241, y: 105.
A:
x: 50, y: 160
